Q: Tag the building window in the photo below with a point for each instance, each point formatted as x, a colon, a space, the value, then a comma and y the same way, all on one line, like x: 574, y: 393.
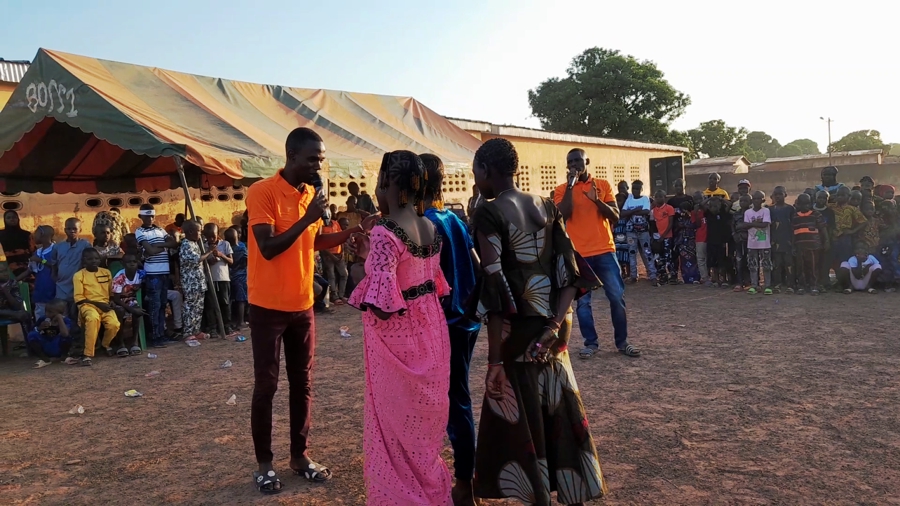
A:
x: 94, y: 202
x: 635, y: 172
x: 206, y: 197
x: 602, y: 173
x: 135, y: 201
x: 116, y: 202
x: 155, y: 201
x: 12, y: 205
x: 619, y: 173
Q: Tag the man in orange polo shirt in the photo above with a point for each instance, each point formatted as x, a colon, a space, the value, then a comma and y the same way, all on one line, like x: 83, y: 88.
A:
x: 589, y: 208
x: 284, y: 215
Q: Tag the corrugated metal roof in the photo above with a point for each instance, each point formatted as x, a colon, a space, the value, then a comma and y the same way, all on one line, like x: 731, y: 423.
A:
x: 722, y: 160
x: 13, y: 71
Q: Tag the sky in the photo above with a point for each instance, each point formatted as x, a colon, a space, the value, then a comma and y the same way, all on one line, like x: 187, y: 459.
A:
x: 776, y: 66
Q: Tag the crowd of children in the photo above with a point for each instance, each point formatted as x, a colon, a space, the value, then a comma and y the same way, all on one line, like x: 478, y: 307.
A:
x: 80, y: 306
x: 747, y: 242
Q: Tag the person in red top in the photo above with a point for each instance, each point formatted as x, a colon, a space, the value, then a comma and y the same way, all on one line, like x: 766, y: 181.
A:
x: 664, y: 216
x: 590, y: 210
x: 698, y: 217
x: 284, y: 215
x: 333, y: 265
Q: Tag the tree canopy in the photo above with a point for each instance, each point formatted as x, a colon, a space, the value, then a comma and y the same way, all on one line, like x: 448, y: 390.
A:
x: 608, y: 94
x: 789, y: 150
x: 859, y: 140
x: 762, y: 145
x: 715, y: 138
x: 807, y: 146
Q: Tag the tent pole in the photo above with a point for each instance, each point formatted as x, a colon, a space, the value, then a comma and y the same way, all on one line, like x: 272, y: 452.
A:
x: 179, y: 163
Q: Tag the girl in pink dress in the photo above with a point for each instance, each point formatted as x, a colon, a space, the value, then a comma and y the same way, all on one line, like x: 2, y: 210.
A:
x: 407, y: 346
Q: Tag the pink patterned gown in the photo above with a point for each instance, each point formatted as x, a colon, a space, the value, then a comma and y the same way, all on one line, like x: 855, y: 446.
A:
x: 407, y: 370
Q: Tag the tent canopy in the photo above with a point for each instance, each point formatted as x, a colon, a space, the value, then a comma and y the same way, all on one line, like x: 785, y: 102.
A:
x: 83, y: 125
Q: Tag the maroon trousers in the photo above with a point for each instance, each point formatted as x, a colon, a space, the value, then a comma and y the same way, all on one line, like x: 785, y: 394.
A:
x: 269, y: 328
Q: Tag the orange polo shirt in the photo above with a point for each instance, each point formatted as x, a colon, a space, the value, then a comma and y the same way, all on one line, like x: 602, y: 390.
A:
x: 284, y: 283
x: 589, y: 230
x: 334, y: 228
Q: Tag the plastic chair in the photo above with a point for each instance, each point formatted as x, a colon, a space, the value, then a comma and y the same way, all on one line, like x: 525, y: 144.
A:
x: 142, y: 332
x: 115, y: 266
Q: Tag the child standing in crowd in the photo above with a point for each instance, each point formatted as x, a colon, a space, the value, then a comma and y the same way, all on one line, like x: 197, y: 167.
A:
x: 782, y: 237
x: 92, y: 288
x: 125, y: 286
x: 105, y: 246
x: 889, y: 248
x: 680, y: 198
x: 824, y: 259
x: 859, y: 272
x: 219, y: 262
x: 870, y: 234
x: 623, y: 254
x: 12, y: 307
x: 810, y: 233
x: 856, y: 198
x: 41, y: 266
x: 718, y: 234
x: 740, y: 242
x: 66, y: 260
x: 193, y: 282
x: 758, y: 221
x: 686, y: 244
x: 238, y: 273
x: 698, y: 219
x: 54, y: 333
x: 155, y: 242
x: 637, y: 212
x: 848, y: 221
x: 664, y: 216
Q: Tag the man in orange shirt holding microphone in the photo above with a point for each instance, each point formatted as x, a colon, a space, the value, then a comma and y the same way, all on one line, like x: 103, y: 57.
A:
x: 589, y: 208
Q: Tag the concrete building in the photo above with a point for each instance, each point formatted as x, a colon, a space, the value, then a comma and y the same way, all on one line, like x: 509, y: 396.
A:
x: 542, y: 155
x: 11, y: 73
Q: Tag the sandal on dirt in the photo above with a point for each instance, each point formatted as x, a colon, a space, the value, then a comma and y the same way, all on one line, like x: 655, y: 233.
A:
x: 135, y: 350
x: 872, y: 291
x: 87, y: 362
x: 122, y: 352
x: 268, y: 483
x: 587, y: 352
x: 737, y: 289
x: 630, y: 351
x: 847, y: 291
x: 71, y: 361
x: 316, y: 473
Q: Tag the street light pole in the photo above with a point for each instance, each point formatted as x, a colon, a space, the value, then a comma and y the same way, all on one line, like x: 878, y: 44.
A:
x: 829, y: 137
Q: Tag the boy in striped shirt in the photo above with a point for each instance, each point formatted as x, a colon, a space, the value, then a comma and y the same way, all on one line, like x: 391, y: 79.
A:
x: 810, y: 234
x: 153, y: 241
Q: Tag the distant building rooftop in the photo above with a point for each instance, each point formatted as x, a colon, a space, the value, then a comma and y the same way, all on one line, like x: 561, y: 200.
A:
x: 836, y: 154
x: 534, y: 133
x: 722, y: 160
x: 12, y: 71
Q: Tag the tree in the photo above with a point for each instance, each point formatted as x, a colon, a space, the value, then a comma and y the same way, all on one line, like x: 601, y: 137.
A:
x: 715, y: 138
x: 895, y: 149
x: 807, y: 147
x: 789, y: 150
x: 859, y: 140
x: 608, y: 94
x: 762, y: 142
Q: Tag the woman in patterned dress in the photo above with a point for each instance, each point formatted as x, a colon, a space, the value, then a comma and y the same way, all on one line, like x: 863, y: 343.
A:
x: 407, y: 345
x: 533, y: 437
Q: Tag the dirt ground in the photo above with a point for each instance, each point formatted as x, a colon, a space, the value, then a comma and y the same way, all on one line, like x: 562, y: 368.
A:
x: 738, y: 399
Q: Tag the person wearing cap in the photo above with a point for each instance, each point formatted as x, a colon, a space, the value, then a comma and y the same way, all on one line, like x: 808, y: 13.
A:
x: 744, y: 187
x: 154, y: 242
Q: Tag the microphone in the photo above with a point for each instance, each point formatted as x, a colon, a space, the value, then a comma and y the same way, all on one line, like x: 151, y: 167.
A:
x: 316, y: 181
x: 572, y: 181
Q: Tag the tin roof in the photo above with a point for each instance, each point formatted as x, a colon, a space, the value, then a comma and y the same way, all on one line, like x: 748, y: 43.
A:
x: 13, y: 71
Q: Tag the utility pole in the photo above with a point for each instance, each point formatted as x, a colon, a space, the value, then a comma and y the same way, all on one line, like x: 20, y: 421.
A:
x: 829, y: 137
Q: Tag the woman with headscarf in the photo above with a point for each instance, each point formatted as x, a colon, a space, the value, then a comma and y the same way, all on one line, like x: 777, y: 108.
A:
x: 18, y: 245
x: 116, y: 223
x: 407, y: 345
x: 533, y: 438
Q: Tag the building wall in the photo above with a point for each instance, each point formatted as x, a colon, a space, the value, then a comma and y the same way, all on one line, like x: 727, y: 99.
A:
x: 221, y: 205
x: 6, y: 90
x: 542, y: 163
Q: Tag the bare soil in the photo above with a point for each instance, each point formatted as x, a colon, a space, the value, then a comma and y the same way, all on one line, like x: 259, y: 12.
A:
x: 738, y: 399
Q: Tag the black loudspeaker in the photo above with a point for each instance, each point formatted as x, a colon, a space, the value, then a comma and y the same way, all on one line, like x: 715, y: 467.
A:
x: 664, y: 172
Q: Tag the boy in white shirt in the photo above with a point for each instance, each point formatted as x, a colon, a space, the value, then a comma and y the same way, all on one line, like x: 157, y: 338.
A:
x: 858, y: 273
x: 221, y: 258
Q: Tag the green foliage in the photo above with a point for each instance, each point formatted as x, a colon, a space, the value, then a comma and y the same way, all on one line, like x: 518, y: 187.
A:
x: 859, y: 140
x: 715, y: 138
x: 789, y: 150
x: 608, y: 94
x: 895, y: 149
x: 807, y: 146
x: 761, y: 143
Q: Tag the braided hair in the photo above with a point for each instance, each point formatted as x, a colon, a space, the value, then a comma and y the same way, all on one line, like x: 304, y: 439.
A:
x: 406, y: 170
x: 434, y: 180
x: 499, y: 155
